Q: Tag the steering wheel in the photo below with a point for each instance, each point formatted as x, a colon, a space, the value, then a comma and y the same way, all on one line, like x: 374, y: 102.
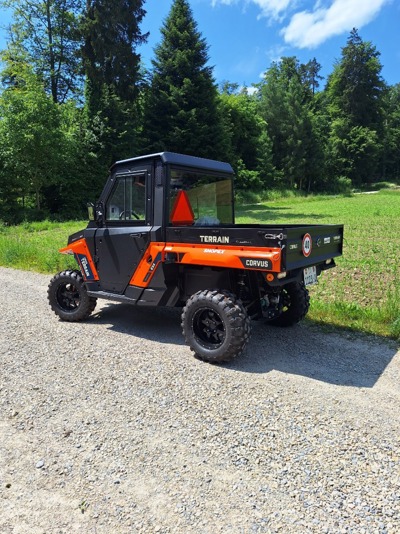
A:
x: 130, y: 214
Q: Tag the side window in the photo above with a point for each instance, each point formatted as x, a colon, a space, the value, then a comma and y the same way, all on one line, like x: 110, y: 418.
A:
x: 128, y: 199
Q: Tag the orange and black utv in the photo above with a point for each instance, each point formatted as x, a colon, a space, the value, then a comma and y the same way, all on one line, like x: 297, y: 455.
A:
x: 163, y: 234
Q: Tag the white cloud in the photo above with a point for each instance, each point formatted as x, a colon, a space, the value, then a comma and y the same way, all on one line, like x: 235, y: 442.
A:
x: 251, y: 90
x: 268, y: 8
x: 275, y: 53
x: 309, y: 29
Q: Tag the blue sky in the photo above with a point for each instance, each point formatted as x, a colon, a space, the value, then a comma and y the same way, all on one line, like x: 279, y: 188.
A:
x: 245, y: 36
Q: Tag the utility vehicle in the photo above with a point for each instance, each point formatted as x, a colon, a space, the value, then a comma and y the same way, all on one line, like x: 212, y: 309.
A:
x: 163, y: 234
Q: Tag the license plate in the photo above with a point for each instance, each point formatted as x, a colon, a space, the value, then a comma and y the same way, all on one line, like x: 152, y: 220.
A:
x: 310, y: 276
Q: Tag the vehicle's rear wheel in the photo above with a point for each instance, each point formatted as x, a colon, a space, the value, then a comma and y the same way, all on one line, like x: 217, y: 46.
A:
x: 68, y: 297
x: 295, y: 305
x: 215, y: 325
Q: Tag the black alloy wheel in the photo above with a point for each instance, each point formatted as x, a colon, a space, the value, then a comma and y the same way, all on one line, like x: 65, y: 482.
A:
x: 208, y: 328
x: 68, y: 297
x: 215, y: 325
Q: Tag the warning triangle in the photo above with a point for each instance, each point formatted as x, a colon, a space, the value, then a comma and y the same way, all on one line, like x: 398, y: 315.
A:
x: 182, y: 213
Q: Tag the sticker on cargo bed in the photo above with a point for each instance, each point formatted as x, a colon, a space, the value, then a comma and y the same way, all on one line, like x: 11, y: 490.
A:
x: 243, y: 241
x: 327, y: 240
x: 306, y: 245
x: 337, y: 238
x: 214, y: 239
x: 256, y: 263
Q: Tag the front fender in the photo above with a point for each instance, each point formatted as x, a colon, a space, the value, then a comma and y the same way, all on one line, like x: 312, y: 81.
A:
x: 83, y: 258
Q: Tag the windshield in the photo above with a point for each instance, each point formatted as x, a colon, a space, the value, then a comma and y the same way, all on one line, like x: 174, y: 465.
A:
x: 206, y: 199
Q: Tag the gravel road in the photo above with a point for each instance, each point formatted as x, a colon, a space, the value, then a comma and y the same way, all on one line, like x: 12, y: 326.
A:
x: 111, y: 426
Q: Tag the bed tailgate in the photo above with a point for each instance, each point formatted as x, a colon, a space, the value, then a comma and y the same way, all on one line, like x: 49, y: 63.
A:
x: 311, y: 245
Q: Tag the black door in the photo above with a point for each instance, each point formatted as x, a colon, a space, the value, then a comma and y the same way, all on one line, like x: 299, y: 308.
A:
x: 120, y: 244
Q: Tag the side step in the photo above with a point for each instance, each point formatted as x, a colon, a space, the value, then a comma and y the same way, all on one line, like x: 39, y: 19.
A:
x: 111, y: 296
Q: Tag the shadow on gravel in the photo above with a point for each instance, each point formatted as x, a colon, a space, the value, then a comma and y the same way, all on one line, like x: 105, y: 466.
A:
x: 157, y: 324
x: 336, y: 358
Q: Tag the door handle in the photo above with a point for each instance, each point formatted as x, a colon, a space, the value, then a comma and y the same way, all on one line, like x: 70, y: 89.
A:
x: 136, y: 235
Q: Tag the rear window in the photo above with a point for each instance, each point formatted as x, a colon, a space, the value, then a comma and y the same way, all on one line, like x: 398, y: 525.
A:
x: 209, y: 197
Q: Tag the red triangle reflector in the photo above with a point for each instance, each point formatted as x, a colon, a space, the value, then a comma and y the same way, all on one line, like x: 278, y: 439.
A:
x: 182, y: 213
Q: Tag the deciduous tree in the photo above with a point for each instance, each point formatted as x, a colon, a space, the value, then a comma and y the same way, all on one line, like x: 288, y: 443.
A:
x: 30, y: 137
x: 46, y: 31
x: 250, y: 148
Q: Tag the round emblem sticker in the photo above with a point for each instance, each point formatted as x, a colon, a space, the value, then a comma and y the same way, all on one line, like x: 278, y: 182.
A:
x: 307, y: 245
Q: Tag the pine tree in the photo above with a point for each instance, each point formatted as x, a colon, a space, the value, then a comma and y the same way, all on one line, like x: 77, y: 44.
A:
x: 310, y: 74
x: 355, y: 87
x: 273, y: 110
x: 181, y: 112
x: 285, y: 101
x: 391, y: 155
x: 111, y: 31
x: 297, y: 131
x: 355, y: 93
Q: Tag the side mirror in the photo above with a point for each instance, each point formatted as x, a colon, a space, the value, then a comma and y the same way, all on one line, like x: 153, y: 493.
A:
x: 99, y: 216
x: 90, y: 208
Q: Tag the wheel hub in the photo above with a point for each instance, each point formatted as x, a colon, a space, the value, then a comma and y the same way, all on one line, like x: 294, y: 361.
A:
x: 208, y: 327
x: 68, y: 297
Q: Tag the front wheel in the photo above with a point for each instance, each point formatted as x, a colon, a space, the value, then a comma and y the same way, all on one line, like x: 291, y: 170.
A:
x: 295, y: 302
x: 215, y: 325
x: 68, y: 297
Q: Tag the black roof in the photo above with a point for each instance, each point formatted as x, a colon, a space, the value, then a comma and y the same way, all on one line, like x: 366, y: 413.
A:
x: 183, y: 160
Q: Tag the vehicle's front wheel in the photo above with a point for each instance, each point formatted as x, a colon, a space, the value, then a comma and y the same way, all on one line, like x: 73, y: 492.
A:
x: 295, y: 304
x: 215, y: 325
x: 68, y: 297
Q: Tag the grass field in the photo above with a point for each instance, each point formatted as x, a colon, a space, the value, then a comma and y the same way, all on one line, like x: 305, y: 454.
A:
x: 34, y: 246
x: 361, y: 293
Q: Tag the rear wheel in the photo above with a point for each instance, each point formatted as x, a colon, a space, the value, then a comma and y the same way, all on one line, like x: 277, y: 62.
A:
x: 295, y: 305
x: 215, y: 325
x: 68, y: 297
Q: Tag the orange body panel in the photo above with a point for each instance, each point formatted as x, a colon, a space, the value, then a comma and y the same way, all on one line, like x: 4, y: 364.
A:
x: 148, y: 265
x: 186, y: 254
x: 82, y: 254
x: 228, y: 257
x: 251, y: 258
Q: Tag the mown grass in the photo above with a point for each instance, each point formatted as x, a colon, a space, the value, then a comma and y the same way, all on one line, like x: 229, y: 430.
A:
x: 362, y: 293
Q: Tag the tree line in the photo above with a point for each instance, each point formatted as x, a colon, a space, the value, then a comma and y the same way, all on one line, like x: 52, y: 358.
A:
x: 75, y: 97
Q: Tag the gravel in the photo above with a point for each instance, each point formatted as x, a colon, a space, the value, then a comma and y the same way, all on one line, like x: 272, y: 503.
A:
x: 111, y: 426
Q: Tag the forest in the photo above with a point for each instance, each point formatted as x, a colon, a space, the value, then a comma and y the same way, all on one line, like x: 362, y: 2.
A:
x: 75, y: 97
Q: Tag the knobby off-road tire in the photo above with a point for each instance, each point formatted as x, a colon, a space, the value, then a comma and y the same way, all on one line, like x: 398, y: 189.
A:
x: 296, y: 302
x: 68, y: 297
x: 215, y: 325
